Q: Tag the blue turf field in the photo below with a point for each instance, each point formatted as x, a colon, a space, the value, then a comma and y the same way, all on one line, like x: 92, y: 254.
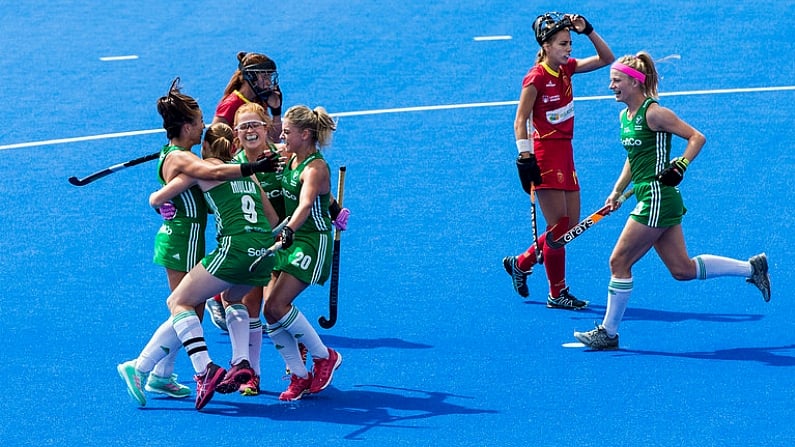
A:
x: 438, y: 348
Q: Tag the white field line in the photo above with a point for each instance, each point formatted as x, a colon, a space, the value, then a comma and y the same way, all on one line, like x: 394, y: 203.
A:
x: 404, y: 110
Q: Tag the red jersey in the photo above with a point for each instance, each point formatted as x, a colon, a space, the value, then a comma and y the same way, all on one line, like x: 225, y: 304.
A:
x: 553, y: 111
x: 228, y: 106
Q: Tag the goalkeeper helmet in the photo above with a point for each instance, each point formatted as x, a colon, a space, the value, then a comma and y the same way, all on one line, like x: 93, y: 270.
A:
x: 546, y: 25
x: 256, y: 68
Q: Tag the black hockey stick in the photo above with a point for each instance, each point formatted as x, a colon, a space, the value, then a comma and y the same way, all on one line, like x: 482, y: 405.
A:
x: 110, y: 170
x: 539, y: 252
x: 333, y: 294
x: 586, y: 223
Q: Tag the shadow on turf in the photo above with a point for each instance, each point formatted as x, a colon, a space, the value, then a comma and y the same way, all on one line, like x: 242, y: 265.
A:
x: 336, y: 341
x: 364, y: 408
x: 769, y: 356
x: 640, y: 314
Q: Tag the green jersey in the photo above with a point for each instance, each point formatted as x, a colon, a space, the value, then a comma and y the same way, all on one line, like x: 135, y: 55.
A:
x: 648, y: 151
x: 237, y: 206
x: 179, y: 243
x: 271, y: 183
x: 319, y: 220
x: 189, y: 204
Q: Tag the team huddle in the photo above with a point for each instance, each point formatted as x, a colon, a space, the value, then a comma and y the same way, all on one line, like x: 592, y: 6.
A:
x: 266, y: 198
x: 544, y: 128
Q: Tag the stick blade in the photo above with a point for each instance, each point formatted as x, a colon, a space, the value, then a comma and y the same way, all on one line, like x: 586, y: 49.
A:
x: 76, y: 181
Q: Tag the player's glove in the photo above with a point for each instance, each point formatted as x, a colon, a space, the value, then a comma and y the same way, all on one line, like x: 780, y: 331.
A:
x: 587, y: 30
x: 673, y: 174
x: 287, y: 236
x: 529, y: 172
x: 339, y: 216
x: 276, y: 97
x: 266, y: 163
x: 167, y: 210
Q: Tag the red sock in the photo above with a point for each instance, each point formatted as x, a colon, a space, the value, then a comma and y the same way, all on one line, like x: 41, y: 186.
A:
x: 555, y: 259
x: 217, y: 298
x: 527, y: 260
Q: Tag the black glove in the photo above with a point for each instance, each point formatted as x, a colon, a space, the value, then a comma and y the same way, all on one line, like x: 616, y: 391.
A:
x: 267, y: 163
x: 529, y: 172
x: 673, y: 174
x: 588, y: 27
x: 287, y: 236
x: 276, y: 93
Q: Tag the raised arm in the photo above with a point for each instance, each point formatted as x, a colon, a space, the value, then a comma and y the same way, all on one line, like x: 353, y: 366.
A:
x: 604, y: 55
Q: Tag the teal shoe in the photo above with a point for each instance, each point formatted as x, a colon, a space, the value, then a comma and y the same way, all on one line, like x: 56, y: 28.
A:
x: 167, y: 385
x: 134, y: 381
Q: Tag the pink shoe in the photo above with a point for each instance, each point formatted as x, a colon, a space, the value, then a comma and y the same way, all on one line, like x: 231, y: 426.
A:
x: 237, y: 375
x: 206, y: 383
x: 298, y: 387
x: 323, y: 370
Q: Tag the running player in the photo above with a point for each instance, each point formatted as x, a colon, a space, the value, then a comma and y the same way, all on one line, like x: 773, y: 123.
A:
x: 547, y: 163
x: 646, y: 130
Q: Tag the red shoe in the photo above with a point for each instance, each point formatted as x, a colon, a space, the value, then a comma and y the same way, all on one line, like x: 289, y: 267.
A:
x: 323, y: 370
x: 206, y: 383
x: 298, y: 387
x: 237, y: 375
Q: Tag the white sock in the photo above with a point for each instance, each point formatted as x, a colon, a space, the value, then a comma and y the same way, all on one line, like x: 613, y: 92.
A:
x: 618, y: 292
x: 287, y: 347
x: 296, y: 324
x: 189, y: 330
x: 711, y: 266
x: 255, y: 344
x: 161, y: 351
x: 237, y: 323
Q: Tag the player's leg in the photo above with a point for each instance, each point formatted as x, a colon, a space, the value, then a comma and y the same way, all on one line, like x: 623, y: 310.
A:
x: 672, y: 251
x: 634, y: 242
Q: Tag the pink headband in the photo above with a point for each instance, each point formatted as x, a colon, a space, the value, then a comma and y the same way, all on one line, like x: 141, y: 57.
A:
x: 629, y: 71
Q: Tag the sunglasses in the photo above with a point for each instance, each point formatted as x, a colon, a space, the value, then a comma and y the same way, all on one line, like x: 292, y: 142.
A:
x: 253, y: 125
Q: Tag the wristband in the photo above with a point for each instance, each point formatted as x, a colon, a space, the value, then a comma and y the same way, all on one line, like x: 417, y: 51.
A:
x: 246, y: 169
x: 276, y: 111
x: 524, y: 145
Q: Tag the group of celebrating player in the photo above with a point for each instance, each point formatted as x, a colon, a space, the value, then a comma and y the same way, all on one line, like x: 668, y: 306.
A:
x: 265, y: 197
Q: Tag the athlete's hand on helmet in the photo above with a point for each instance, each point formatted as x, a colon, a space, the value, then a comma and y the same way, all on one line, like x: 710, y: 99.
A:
x: 167, y: 210
x: 275, y: 101
x: 580, y: 24
x: 529, y: 172
x: 673, y: 174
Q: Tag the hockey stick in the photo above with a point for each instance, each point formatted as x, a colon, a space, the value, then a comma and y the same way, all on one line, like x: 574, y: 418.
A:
x: 586, y: 223
x: 539, y: 252
x: 333, y: 294
x: 110, y: 170
x: 273, y: 248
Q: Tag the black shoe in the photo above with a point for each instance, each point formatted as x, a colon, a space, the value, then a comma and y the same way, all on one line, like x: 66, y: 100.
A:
x: 566, y: 301
x: 518, y: 276
x: 759, y: 276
